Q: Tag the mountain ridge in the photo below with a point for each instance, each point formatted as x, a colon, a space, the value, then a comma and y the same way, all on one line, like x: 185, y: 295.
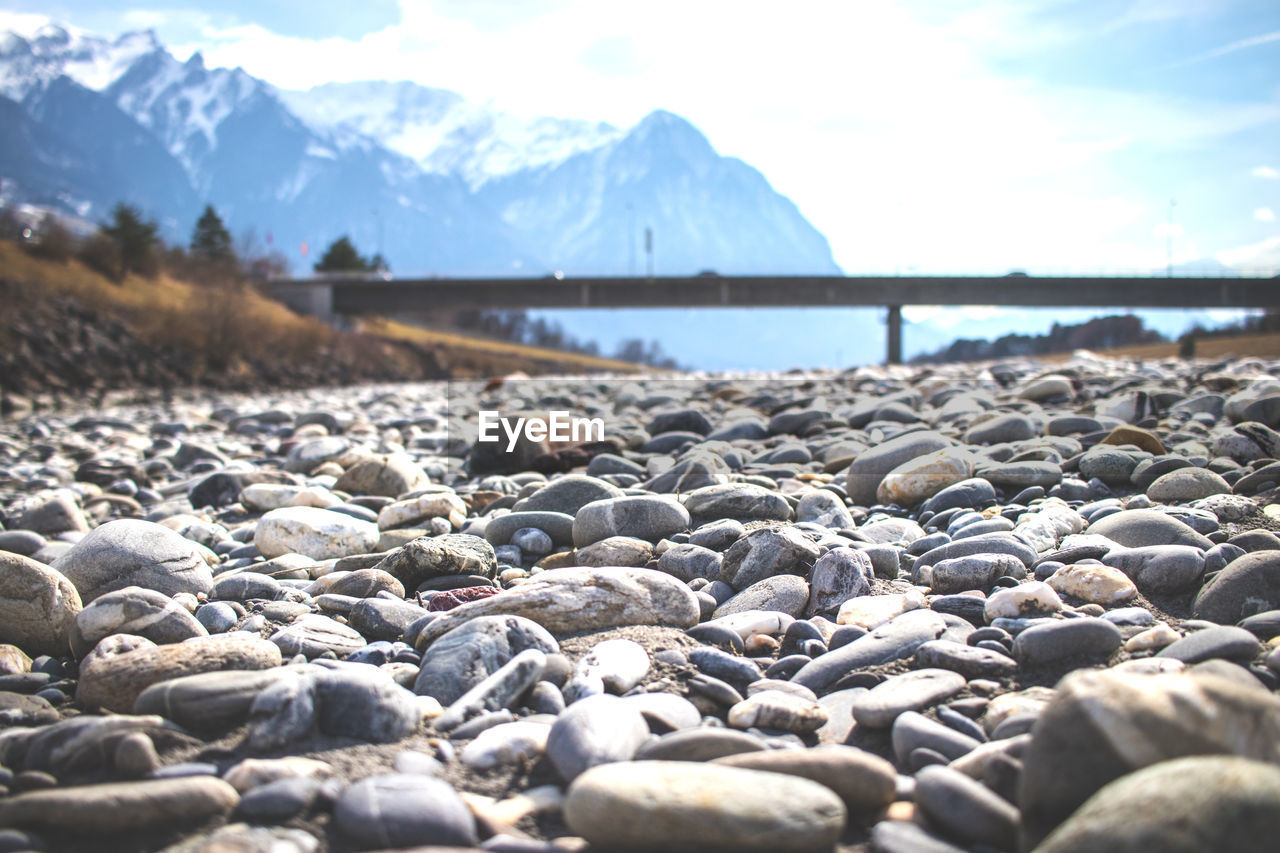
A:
x: 438, y: 185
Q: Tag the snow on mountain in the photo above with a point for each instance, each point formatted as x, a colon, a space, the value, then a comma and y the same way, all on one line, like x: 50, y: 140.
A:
x: 433, y: 182
x: 55, y: 50
x: 443, y: 132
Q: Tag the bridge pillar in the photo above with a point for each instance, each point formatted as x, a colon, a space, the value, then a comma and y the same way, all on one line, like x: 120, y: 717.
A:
x: 312, y: 299
x: 893, y: 334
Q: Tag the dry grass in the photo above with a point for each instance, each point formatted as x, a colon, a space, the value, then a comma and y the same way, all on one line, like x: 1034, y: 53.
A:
x: 457, y: 343
x: 1263, y: 345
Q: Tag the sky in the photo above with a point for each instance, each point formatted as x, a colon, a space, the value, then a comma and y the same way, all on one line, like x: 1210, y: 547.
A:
x: 950, y: 136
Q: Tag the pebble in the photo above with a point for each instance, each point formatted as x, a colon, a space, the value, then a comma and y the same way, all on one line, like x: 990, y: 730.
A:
x: 132, y: 552
x: 38, y: 605
x: 657, y: 804
x: 912, y: 691
x: 404, y: 810
x: 1053, y: 641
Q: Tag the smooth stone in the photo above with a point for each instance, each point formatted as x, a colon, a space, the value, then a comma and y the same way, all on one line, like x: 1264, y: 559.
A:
x: 825, y: 508
x: 1101, y: 725
x: 1021, y: 475
x: 244, y: 586
x: 871, y: 611
x: 1224, y: 641
x: 356, y: 701
x: 1096, y: 584
x: 1033, y: 598
x: 1231, y: 804
x: 1247, y: 586
x: 1054, y: 641
x: 431, y: 557
x: 870, y: 467
x: 121, y: 806
x: 470, y: 653
x: 366, y: 583
x: 684, y: 561
x: 864, y: 782
x: 54, y: 512
x: 912, y: 731
x: 1137, y: 528
x: 969, y: 661
x: 137, y: 611
x: 208, y: 701
x: 316, y: 533
x: 775, y: 709
x: 312, y: 635
x: 700, y: 743
x: 131, y: 552
x: 681, y: 805
x: 1187, y: 484
x: 897, y: 836
x: 38, y: 605
x: 404, y: 810
x: 594, y: 731
x: 433, y: 509
x: 997, y: 543
x: 739, y: 501
x: 383, y: 619
x: 114, y: 681
x: 785, y: 593
x: 911, y: 691
x: 645, y: 517
x: 389, y: 475
x: 965, y: 809
x: 896, y: 639
x: 1160, y: 569
x: 615, y: 666
x: 719, y: 535
x: 557, y: 525
x: 506, y: 744
x: 576, y: 599
x: 976, y: 571
x: 919, y: 479
x: 665, y: 712
x: 278, y: 801
x: 970, y: 493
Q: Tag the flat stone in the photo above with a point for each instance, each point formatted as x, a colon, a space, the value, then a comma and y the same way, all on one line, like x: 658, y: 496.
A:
x: 911, y: 691
x: 131, y: 552
x: 38, y: 605
x: 774, y: 709
x: 1101, y: 725
x: 133, y: 610
x: 1225, y: 641
x: 576, y: 599
x: 422, y: 510
x: 366, y: 583
x: 919, y: 479
x: 702, y: 743
x: 320, y: 534
x: 1229, y: 803
x: 114, y: 681
x: 869, y: 468
x: 785, y: 593
x: 596, y: 730
x: 1054, y: 641
x: 644, y: 517
x: 1248, y: 585
x: 389, y: 475
x: 1033, y: 598
x: 557, y: 525
x: 121, y: 806
x: 312, y: 635
x: 871, y: 611
x: 684, y: 561
x: 1160, y: 569
x: 740, y: 501
x: 1136, y: 528
x: 1095, y: 584
x: 965, y: 809
x: 681, y: 805
x: 969, y: 661
x: 897, y: 639
x: 506, y: 744
x: 208, y: 701
x: 864, y: 782
x: 615, y: 666
x: 912, y: 731
x: 1187, y: 484
x: 975, y: 571
x: 404, y: 810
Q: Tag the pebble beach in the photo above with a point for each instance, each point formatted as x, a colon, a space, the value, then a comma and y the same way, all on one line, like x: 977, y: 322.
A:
x: 1000, y: 607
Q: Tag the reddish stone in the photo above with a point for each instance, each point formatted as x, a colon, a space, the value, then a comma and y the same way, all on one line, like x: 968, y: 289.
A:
x: 452, y: 598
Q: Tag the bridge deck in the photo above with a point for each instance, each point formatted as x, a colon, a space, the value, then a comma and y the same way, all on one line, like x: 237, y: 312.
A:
x: 344, y: 295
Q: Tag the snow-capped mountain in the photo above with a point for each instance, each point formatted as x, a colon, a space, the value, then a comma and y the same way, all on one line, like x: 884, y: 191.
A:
x: 443, y: 131
x: 435, y: 183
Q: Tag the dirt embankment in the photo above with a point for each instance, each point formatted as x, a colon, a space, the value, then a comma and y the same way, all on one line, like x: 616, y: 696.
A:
x: 68, y: 333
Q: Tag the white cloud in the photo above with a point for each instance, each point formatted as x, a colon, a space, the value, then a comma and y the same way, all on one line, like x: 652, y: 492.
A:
x: 1264, y: 214
x: 1266, y: 172
x: 1261, y: 258
x: 1241, y: 44
x: 22, y: 23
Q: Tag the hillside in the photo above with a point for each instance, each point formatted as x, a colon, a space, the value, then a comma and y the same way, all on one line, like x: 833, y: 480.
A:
x: 69, y: 331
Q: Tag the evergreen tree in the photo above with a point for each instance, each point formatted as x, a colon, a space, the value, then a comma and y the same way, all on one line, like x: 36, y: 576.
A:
x: 341, y: 256
x: 211, y: 241
x: 135, y: 238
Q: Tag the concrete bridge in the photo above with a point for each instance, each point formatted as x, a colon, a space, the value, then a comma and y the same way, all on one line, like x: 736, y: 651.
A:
x: 348, y: 295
